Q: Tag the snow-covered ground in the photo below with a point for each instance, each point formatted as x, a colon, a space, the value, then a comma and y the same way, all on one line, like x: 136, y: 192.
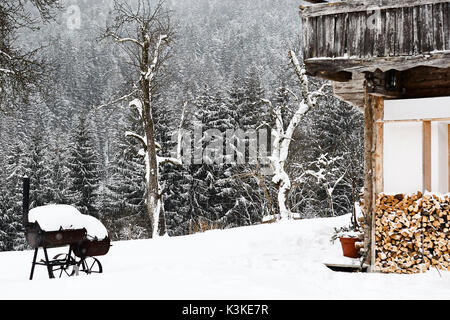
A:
x: 275, y: 261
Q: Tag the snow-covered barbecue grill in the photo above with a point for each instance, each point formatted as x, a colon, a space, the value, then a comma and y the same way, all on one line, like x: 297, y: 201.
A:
x: 55, y: 226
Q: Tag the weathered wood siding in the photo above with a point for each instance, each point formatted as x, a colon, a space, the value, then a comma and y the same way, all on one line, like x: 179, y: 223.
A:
x: 399, y: 29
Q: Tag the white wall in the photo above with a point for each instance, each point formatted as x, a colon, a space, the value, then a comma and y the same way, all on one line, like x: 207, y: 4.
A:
x: 403, y: 170
x: 417, y: 108
x: 402, y: 157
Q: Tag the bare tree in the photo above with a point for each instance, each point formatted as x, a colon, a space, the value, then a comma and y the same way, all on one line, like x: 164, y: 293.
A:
x: 283, y: 132
x: 21, y: 71
x: 145, y: 31
x: 328, y: 175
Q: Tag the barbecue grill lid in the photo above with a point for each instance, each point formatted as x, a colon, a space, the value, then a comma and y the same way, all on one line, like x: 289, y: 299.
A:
x: 64, y: 217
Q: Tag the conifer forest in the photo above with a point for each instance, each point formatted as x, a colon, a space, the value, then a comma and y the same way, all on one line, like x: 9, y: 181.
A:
x: 71, y: 85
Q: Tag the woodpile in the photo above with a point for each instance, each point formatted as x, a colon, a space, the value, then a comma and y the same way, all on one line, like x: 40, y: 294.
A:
x: 412, y: 233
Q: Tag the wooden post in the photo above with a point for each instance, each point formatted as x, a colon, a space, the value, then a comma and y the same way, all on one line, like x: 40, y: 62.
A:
x: 368, y: 134
x: 373, y: 172
x: 379, y: 157
x: 377, y: 165
x: 426, y: 155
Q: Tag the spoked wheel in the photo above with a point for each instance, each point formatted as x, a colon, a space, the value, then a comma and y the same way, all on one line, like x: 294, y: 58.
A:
x: 90, y: 265
x: 65, y: 267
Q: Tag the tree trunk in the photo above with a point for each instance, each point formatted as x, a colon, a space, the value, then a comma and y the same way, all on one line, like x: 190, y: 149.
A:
x: 153, y: 197
x: 330, y: 202
x: 283, y: 190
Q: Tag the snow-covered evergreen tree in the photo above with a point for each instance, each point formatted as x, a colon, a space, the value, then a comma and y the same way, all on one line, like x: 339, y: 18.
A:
x: 58, y: 183
x: 17, y: 165
x: 335, y: 129
x: 40, y: 170
x: 124, y: 196
x: 83, y: 170
x: 214, y: 196
x: 236, y: 50
x: 245, y: 96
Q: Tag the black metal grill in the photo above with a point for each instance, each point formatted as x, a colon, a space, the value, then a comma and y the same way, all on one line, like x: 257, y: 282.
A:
x: 76, y: 239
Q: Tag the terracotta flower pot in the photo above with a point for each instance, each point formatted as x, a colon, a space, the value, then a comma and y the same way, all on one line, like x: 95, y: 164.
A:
x: 348, y: 247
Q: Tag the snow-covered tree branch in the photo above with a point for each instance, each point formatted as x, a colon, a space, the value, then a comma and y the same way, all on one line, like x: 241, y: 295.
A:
x: 141, y: 139
x: 21, y: 72
x: 282, y: 138
x: 124, y: 40
x: 328, y: 176
x: 146, y: 47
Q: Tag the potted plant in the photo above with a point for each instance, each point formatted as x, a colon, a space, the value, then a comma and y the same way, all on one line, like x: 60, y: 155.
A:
x: 348, y: 236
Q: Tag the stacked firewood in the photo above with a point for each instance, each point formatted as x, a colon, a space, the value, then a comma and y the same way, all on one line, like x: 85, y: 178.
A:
x: 412, y: 233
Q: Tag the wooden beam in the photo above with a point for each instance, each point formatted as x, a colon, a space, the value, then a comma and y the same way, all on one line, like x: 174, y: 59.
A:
x: 341, y: 76
x: 373, y: 166
x: 368, y: 178
x: 351, y: 91
x: 426, y: 155
x: 414, y: 120
x: 379, y: 156
x: 415, y: 83
x: 387, y: 84
x: 378, y: 114
x: 351, y: 64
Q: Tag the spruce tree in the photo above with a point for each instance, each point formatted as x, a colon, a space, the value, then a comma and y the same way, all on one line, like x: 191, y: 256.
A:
x: 40, y: 171
x: 245, y: 97
x: 4, y: 219
x: 123, y: 207
x: 17, y: 165
x: 58, y: 184
x: 214, y: 196
x: 335, y: 129
x: 83, y: 170
x: 252, y: 110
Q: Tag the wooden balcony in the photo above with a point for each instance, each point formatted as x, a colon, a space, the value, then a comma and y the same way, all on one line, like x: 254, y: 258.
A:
x: 347, y: 42
x: 356, y: 36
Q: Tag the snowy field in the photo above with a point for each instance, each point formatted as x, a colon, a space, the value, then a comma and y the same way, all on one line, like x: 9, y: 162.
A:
x: 277, y: 261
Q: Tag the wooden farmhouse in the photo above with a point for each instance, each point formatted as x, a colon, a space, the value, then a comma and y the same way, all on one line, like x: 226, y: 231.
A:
x: 391, y: 59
